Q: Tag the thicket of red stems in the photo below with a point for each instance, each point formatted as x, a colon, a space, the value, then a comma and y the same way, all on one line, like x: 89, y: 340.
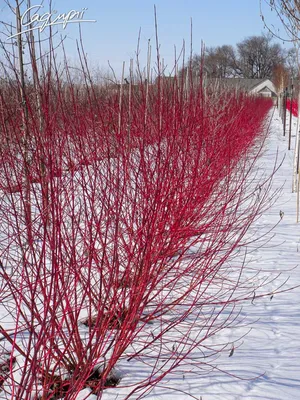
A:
x: 139, y: 196
x: 292, y: 105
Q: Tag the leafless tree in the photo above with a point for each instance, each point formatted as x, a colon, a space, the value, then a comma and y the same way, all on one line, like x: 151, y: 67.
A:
x: 258, y: 56
x: 254, y: 57
x: 220, y: 62
x: 288, y: 11
x: 280, y: 77
x: 291, y: 63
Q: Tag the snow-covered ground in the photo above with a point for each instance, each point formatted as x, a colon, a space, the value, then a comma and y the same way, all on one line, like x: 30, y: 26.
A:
x: 265, y: 364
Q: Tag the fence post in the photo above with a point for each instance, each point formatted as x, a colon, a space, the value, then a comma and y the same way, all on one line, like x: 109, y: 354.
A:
x: 291, y: 113
x: 284, y: 110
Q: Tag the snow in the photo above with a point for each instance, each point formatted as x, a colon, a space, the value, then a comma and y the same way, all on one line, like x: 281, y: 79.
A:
x: 262, y: 358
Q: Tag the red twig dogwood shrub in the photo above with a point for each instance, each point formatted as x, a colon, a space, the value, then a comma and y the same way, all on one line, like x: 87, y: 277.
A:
x: 139, y: 197
x: 292, y: 105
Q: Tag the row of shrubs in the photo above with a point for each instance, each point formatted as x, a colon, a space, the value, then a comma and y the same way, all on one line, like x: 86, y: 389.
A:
x: 120, y: 211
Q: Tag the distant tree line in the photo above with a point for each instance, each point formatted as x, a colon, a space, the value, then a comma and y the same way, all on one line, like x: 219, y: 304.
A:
x: 254, y: 57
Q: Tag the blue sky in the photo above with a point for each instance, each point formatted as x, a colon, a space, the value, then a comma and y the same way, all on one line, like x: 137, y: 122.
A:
x: 114, y: 36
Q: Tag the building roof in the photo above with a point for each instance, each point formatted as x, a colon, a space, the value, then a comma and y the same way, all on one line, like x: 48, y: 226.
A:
x: 254, y: 86
x: 241, y: 83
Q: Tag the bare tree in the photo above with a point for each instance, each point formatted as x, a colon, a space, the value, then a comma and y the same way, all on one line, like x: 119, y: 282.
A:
x: 280, y: 77
x: 291, y: 62
x: 220, y: 62
x: 254, y: 57
x: 258, y: 56
x: 288, y: 11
